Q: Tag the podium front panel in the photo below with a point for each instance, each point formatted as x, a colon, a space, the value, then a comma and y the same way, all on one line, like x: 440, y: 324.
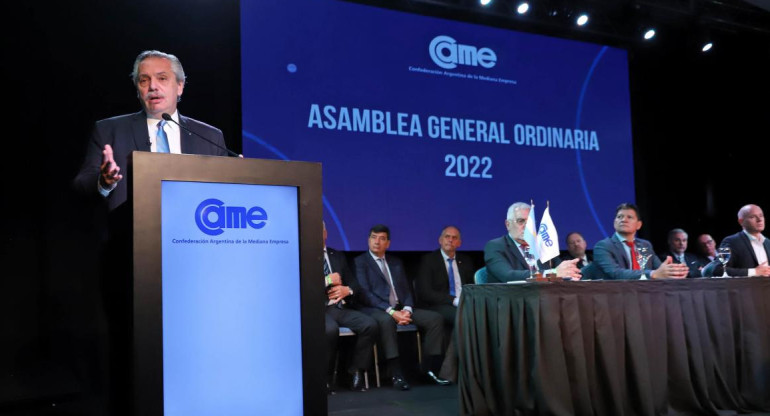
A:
x: 227, y: 255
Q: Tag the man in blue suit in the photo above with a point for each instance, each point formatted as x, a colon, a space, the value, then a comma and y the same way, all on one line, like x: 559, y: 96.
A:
x: 615, y: 258
x: 159, y: 80
x: 388, y: 299
x: 750, y: 250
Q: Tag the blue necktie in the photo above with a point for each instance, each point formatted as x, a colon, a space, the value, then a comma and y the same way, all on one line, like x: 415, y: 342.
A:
x: 161, y: 142
x: 327, y: 269
x: 451, y: 278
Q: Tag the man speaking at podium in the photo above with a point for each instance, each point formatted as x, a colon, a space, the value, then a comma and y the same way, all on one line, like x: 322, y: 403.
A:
x: 159, y: 80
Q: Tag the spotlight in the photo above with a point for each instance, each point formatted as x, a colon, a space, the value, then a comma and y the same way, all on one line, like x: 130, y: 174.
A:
x: 707, y: 47
x: 649, y: 34
x: 485, y: 2
x: 523, y: 8
x: 582, y: 19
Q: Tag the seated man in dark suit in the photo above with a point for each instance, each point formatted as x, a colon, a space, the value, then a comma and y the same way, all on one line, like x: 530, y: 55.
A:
x: 504, y: 256
x: 707, y: 249
x: 677, y: 246
x: 749, y: 249
x: 388, y: 299
x: 615, y: 257
x: 576, y: 249
x: 342, y: 288
x: 442, y: 274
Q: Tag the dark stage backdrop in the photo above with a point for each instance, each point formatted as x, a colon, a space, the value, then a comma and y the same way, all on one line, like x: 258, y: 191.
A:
x: 699, y: 127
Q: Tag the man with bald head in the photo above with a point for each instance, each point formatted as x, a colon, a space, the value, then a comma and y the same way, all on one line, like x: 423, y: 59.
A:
x: 749, y: 249
x: 442, y: 274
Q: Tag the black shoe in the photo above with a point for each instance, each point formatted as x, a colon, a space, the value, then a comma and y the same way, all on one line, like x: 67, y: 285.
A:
x: 357, y: 383
x: 399, y: 383
x: 330, y: 390
x: 438, y: 380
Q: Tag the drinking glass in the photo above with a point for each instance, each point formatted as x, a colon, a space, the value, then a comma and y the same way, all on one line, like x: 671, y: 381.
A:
x: 723, y: 255
x: 642, y: 256
x: 531, y: 262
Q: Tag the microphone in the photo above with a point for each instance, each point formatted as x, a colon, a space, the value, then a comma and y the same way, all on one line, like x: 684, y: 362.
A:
x: 167, y: 117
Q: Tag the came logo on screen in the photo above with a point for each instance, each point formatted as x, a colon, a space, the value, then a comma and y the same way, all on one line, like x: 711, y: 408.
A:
x: 212, y: 217
x: 447, y: 53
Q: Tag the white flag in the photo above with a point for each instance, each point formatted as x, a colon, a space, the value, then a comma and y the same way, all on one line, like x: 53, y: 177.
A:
x: 547, y: 238
x: 530, y: 233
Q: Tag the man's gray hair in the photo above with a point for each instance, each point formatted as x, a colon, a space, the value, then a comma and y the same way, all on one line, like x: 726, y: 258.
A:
x: 176, y: 66
x: 516, y: 206
x: 676, y: 231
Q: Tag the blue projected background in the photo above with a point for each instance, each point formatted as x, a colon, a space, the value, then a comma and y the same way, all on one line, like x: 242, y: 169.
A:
x: 422, y: 122
x: 230, y: 346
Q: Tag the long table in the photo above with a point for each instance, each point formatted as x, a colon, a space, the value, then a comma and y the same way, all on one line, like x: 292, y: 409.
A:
x: 668, y: 347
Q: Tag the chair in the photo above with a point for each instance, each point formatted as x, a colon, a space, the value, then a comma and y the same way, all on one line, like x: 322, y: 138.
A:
x: 347, y: 332
x: 589, y: 272
x: 713, y: 269
x: 480, y: 277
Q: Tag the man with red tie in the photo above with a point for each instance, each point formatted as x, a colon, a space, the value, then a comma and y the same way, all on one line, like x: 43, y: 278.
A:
x: 504, y: 256
x: 615, y: 256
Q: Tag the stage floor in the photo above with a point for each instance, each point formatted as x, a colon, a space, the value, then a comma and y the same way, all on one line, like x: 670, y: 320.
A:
x: 421, y: 400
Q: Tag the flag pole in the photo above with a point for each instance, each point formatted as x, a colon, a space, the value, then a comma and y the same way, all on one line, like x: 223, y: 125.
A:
x: 548, y: 205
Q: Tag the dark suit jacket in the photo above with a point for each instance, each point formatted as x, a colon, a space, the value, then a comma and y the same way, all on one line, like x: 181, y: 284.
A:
x: 703, y: 260
x: 742, y: 257
x: 127, y: 133
x: 691, y: 260
x: 339, y: 264
x: 612, y: 263
x: 505, y: 263
x: 375, y: 288
x: 433, y: 279
x: 580, y: 264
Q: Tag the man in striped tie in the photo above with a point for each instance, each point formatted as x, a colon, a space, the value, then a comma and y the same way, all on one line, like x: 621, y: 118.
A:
x: 505, y: 256
x: 387, y: 297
